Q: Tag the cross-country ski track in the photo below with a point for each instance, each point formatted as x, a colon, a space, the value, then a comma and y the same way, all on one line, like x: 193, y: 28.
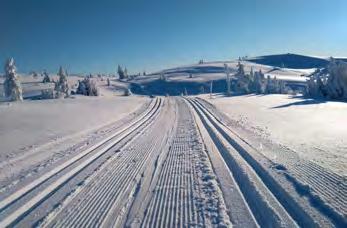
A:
x: 176, y: 164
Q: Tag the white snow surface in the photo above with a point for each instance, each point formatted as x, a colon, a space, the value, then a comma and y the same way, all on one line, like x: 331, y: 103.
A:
x: 28, y: 124
x: 173, y: 161
x: 315, y: 129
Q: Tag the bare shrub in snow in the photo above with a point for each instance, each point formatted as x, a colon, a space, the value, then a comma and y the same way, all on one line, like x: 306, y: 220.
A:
x: 12, y: 86
x: 87, y: 87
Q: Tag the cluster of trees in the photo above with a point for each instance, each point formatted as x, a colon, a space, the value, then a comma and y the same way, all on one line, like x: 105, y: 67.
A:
x: 87, y: 87
x: 13, y: 88
x: 256, y: 82
x: 329, y: 82
x: 123, y: 73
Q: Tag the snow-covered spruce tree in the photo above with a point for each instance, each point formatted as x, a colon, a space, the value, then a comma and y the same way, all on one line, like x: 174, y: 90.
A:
x: 282, y: 87
x: 276, y: 85
x: 243, y: 81
x: 46, y: 78
x: 240, y: 69
x: 125, y: 72
x: 62, y: 86
x: 336, y: 86
x: 87, y: 87
x: 120, y: 72
x: 228, y: 79
x: 269, y: 85
x: 330, y: 82
x: 313, y: 89
x: 259, y: 82
x: 12, y: 86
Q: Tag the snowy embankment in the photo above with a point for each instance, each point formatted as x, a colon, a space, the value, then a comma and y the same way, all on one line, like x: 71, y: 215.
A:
x: 31, y: 126
x: 314, y: 129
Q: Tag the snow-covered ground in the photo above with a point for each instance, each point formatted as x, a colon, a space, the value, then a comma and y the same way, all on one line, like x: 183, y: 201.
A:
x: 116, y: 161
x: 314, y: 129
x: 33, y: 130
x: 26, y: 124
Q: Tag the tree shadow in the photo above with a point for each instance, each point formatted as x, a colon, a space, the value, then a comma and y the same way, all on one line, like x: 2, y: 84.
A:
x: 304, y: 101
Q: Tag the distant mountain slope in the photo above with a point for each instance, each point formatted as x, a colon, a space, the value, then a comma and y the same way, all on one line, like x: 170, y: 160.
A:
x: 196, y: 69
x: 293, y: 61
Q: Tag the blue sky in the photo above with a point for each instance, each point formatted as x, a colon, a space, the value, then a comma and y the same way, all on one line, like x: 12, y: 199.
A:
x: 94, y: 36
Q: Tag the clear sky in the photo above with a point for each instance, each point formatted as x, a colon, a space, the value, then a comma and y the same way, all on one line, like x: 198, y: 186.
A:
x: 94, y: 36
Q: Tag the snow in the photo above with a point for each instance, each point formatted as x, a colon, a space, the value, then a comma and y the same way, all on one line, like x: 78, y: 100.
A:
x: 315, y: 129
x: 173, y: 161
x: 28, y: 124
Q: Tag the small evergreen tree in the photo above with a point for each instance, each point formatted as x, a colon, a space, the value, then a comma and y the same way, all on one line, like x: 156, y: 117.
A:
x: 125, y: 72
x: 259, y: 82
x: 243, y: 82
x: 46, y: 78
x: 108, y: 82
x: 120, y: 72
x: 87, y: 87
x: 12, y: 86
x: 228, y: 82
x: 62, y: 86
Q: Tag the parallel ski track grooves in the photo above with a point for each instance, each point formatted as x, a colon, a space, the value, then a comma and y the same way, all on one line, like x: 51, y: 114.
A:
x: 325, y: 185
x: 174, y: 202
x: 111, y: 185
x: 22, y: 211
x: 254, y: 204
x: 71, y: 151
